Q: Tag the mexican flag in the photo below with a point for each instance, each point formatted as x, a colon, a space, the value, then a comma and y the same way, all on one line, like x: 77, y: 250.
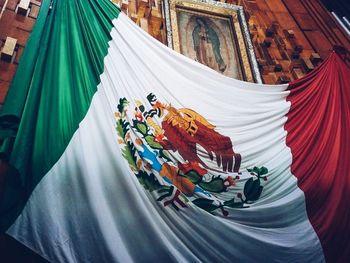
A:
x: 123, y: 150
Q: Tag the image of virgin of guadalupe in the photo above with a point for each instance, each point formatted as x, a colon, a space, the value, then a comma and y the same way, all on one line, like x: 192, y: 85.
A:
x: 207, y: 45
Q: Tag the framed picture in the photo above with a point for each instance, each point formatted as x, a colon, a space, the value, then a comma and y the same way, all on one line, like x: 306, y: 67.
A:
x: 214, y: 34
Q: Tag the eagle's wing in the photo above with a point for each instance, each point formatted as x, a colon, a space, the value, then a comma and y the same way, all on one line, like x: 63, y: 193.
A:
x: 220, y: 146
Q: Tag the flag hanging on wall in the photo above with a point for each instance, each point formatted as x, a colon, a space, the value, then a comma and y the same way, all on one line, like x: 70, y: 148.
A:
x: 125, y: 150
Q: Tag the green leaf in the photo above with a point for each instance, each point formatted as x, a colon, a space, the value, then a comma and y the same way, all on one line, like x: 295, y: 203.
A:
x: 233, y: 204
x: 121, y: 132
x: 259, y: 171
x: 205, y: 204
x: 257, y: 194
x: 140, y: 127
x: 125, y: 125
x: 123, y: 103
x: 216, y: 185
x: 256, y: 170
x: 129, y: 157
x: 252, y: 189
x: 248, y: 186
x: 263, y: 170
x: 163, y: 154
x: 153, y: 144
x: 165, y: 192
x: 149, y: 181
x: 193, y: 176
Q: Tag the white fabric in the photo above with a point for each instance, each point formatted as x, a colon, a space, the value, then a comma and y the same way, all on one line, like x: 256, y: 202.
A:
x: 90, y: 207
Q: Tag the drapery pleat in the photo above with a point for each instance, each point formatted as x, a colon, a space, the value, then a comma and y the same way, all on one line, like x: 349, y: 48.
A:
x: 91, y: 207
x: 318, y: 134
x: 52, y: 89
x: 49, y: 99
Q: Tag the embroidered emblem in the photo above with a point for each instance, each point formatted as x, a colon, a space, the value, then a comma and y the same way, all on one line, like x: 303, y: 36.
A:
x: 177, y: 155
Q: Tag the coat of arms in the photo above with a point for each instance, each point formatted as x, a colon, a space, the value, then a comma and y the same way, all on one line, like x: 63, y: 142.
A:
x: 180, y: 157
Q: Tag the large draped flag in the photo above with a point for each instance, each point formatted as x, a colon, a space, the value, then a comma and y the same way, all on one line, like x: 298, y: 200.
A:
x: 123, y: 150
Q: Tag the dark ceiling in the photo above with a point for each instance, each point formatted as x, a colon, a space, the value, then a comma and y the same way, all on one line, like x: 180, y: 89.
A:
x: 340, y: 7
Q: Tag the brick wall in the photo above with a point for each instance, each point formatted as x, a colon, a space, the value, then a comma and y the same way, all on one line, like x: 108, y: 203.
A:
x: 17, y: 26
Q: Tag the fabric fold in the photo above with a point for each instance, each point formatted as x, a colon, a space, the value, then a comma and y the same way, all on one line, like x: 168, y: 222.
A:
x: 128, y: 151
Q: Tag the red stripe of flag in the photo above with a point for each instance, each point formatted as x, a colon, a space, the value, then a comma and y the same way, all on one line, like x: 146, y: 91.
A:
x: 318, y: 129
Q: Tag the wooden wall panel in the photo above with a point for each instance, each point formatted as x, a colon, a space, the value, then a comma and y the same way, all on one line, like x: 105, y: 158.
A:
x: 279, y: 55
x: 313, y: 28
x: 295, y: 7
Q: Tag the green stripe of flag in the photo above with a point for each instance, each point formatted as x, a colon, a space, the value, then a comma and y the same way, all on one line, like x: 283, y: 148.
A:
x: 52, y: 90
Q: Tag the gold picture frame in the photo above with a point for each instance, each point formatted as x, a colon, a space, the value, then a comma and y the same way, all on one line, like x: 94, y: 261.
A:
x: 213, y: 33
